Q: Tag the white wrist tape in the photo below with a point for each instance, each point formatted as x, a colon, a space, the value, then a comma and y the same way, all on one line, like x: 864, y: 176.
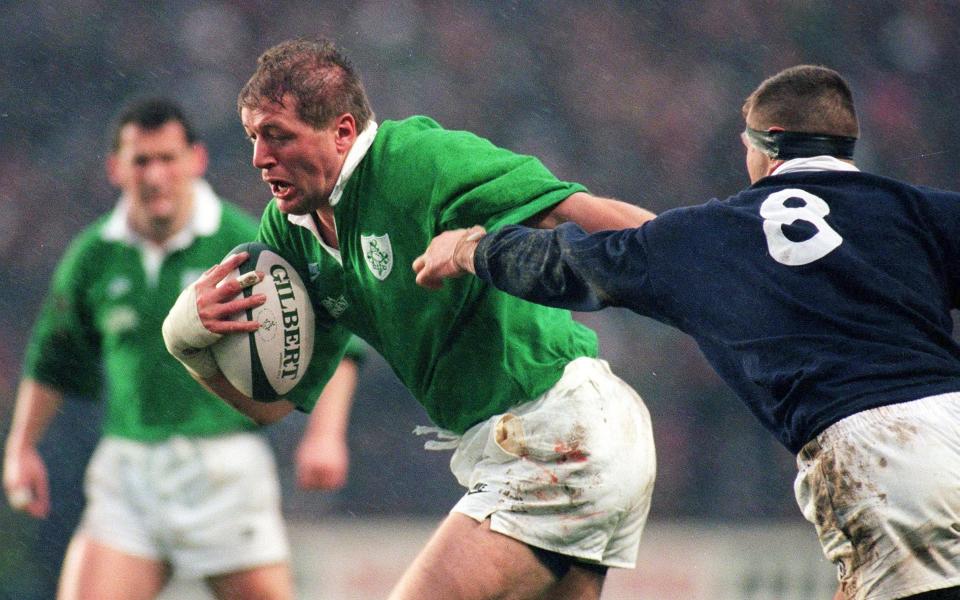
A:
x: 186, y: 337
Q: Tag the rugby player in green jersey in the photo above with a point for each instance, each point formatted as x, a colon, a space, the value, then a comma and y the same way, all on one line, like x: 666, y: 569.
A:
x: 179, y: 481
x: 555, y: 452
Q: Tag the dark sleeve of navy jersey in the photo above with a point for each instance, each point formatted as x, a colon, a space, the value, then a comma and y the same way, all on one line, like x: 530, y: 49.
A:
x: 814, y: 295
x: 564, y: 267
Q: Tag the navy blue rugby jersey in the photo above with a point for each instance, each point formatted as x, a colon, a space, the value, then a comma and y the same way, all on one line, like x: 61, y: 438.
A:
x: 815, y: 295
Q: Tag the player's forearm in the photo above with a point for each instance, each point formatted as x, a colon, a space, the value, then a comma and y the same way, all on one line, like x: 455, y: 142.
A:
x: 331, y: 414
x: 263, y: 413
x: 592, y: 213
x: 536, y: 265
x: 35, y: 408
x: 322, y: 456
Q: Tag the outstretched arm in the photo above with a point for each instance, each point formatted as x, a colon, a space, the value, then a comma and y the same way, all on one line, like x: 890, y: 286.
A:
x: 563, y: 267
x: 450, y: 254
x: 591, y: 213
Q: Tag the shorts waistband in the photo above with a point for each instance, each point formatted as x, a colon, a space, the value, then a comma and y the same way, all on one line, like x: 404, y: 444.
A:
x: 176, y: 442
x: 872, y: 416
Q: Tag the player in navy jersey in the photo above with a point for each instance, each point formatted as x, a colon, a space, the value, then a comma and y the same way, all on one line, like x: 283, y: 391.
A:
x: 822, y: 295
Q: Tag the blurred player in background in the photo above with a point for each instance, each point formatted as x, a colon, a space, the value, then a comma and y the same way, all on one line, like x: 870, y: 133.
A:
x: 556, y: 452
x: 180, y: 481
x: 822, y: 295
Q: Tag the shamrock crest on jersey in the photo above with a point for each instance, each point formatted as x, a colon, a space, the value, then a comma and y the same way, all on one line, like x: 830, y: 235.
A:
x: 335, y: 306
x: 378, y: 254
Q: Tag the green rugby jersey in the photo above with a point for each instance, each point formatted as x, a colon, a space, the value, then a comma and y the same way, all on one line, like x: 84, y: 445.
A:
x: 107, y: 302
x: 467, y: 351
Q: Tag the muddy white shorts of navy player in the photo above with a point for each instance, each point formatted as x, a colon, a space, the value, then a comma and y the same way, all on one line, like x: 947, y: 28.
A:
x: 207, y: 505
x: 883, y: 489
x: 571, y: 471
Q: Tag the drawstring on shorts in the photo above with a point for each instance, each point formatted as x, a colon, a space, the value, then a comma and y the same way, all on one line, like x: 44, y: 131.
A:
x: 446, y: 439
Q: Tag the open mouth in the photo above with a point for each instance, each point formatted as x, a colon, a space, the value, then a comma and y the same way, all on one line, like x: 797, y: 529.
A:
x: 280, y: 189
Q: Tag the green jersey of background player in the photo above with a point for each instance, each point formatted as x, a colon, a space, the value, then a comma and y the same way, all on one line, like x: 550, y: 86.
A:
x: 107, y: 298
x: 178, y: 477
x: 354, y: 203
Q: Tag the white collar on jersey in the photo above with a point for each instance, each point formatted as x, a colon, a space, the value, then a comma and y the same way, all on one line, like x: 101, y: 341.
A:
x: 813, y: 163
x: 354, y: 156
x: 205, y: 220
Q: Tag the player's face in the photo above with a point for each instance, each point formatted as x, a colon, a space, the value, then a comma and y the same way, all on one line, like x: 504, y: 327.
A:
x: 300, y: 163
x: 155, y: 169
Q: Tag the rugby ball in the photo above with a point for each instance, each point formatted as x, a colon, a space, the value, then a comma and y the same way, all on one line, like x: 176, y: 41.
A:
x: 267, y: 363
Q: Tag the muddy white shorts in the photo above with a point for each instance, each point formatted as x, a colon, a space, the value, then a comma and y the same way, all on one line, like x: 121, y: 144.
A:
x: 883, y: 489
x: 571, y: 471
x: 207, y: 506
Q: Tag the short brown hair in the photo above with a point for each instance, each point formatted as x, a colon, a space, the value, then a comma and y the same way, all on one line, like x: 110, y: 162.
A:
x: 319, y: 77
x: 804, y: 99
x: 150, y: 114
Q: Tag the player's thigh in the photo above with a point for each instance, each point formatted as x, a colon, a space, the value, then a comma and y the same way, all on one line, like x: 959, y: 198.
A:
x: 580, y: 582
x: 269, y: 582
x: 95, y: 571
x: 465, y: 560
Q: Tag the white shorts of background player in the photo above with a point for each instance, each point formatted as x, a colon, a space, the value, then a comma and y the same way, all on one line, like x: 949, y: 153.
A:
x: 207, y: 506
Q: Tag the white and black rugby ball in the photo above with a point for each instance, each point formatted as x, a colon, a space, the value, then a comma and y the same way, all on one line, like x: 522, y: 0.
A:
x: 267, y: 363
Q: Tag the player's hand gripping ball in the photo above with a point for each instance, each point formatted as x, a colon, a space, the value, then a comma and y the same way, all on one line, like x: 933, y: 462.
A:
x: 267, y: 363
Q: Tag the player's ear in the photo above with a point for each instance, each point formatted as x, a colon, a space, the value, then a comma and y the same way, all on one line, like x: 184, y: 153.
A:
x: 201, y: 159
x: 345, y: 132
x: 112, y: 167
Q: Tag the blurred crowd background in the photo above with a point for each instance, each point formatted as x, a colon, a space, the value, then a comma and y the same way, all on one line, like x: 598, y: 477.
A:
x: 638, y: 100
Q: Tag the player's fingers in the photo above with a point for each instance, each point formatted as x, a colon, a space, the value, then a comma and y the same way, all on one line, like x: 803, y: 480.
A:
x: 40, y: 507
x: 327, y: 477
x: 230, y: 287
x: 248, y: 279
x: 216, y: 273
x: 226, y: 299
x: 35, y: 503
x: 424, y: 279
x: 426, y: 272
x: 212, y: 313
x: 241, y: 304
x: 19, y: 497
x: 224, y: 327
x: 305, y: 478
